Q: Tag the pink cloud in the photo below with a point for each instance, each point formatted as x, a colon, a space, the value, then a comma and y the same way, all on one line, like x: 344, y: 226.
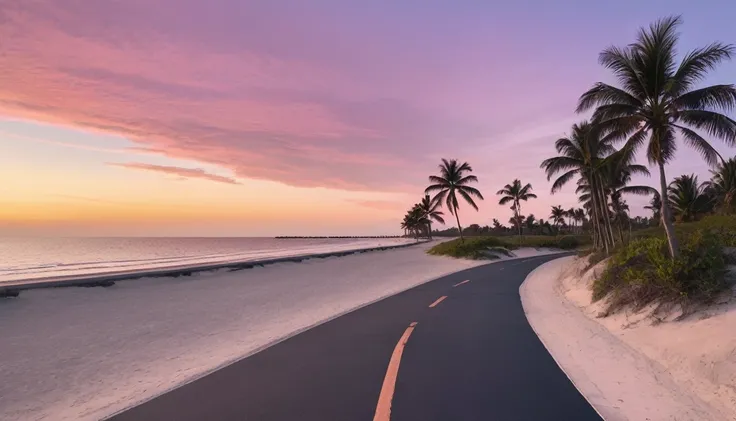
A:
x: 316, y: 94
x: 176, y: 171
x: 244, y: 85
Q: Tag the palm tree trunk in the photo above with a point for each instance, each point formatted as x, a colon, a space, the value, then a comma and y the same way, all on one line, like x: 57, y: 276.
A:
x: 518, y: 219
x: 429, y: 230
x: 665, y: 214
x: 600, y: 223
x: 457, y: 217
x: 603, y: 204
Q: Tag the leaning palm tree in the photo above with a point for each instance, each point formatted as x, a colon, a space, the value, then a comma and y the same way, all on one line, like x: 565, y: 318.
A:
x: 453, y: 181
x: 723, y: 185
x: 658, y: 98
x: 431, y: 212
x: 410, y: 224
x: 687, y: 198
x: 515, y: 193
x: 583, y: 154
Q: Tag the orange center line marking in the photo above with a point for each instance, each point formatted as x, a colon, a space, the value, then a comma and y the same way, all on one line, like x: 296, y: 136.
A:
x: 439, y: 300
x: 460, y: 283
x: 383, y: 409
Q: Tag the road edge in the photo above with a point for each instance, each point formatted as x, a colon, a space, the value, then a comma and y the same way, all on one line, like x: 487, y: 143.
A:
x: 636, y: 388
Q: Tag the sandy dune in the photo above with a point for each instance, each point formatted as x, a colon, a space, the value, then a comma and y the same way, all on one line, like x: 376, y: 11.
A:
x: 628, y: 368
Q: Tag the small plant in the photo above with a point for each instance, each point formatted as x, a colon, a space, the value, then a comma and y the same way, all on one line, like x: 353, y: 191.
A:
x: 642, y: 273
x: 568, y: 242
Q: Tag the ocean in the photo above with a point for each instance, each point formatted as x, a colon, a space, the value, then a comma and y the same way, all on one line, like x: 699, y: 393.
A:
x: 24, y: 259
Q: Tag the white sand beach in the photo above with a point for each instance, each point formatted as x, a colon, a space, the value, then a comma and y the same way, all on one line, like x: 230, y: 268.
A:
x: 628, y: 366
x: 86, y: 353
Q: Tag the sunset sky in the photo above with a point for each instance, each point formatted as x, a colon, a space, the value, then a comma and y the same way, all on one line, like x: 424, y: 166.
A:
x: 242, y: 117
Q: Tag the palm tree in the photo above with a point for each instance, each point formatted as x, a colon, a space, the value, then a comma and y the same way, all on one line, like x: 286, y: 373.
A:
x: 558, y: 216
x: 579, y: 216
x: 582, y: 154
x: 655, y: 205
x: 517, y: 220
x: 531, y: 223
x: 497, y: 225
x: 723, y: 185
x: 570, y: 214
x: 414, y: 221
x: 657, y: 99
x: 687, y: 198
x: 515, y: 193
x: 452, y: 182
x: 431, y: 211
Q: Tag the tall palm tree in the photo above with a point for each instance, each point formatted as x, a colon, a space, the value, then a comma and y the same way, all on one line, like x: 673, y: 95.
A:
x: 687, y: 198
x: 515, y: 193
x: 431, y: 212
x: 558, y: 216
x: 658, y: 98
x: 723, y: 185
x: 583, y: 154
x: 453, y: 181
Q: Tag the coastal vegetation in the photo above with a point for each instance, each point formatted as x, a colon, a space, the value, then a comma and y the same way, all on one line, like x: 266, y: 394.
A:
x: 674, y: 256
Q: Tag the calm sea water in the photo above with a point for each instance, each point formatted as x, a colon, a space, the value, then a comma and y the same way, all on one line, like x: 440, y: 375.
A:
x: 42, y: 258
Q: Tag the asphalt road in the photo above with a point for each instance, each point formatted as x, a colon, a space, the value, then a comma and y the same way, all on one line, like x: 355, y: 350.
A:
x: 472, y: 356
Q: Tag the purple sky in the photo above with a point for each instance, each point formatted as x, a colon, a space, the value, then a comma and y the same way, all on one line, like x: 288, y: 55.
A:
x: 356, y: 96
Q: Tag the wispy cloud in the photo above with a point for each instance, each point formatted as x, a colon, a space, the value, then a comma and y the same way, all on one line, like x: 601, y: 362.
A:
x: 176, y: 171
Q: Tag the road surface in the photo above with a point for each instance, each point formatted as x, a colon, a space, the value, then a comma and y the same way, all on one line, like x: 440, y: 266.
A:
x: 414, y: 356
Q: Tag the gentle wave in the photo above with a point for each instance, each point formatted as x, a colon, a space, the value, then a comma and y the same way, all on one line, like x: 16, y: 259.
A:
x: 34, y: 259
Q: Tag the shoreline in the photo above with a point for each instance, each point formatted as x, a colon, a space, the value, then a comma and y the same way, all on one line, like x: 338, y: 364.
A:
x: 105, y: 349
x: 13, y: 288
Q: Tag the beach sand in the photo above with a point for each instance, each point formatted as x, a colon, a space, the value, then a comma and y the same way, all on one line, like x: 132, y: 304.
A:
x: 628, y: 367
x: 86, y: 353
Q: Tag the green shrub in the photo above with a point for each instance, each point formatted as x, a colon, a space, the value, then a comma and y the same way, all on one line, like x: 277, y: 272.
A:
x: 642, y: 272
x: 473, y: 248
x: 483, y: 247
x: 568, y: 242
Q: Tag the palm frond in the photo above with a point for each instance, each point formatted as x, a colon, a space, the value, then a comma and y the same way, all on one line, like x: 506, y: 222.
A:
x: 638, y: 190
x: 467, y: 179
x: 712, y: 97
x: 705, y: 149
x: 621, y: 61
x: 467, y: 198
x: 556, y: 165
x: 563, y: 179
x: 716, y: 124
x: 471, y: 191
x: 696, y: 64
x: 603, y: 95
x: 434, y: 188
x: 506, y: 199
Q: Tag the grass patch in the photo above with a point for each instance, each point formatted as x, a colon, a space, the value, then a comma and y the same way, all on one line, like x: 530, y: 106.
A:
x: 642, y: 273
x: 485, y: 247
